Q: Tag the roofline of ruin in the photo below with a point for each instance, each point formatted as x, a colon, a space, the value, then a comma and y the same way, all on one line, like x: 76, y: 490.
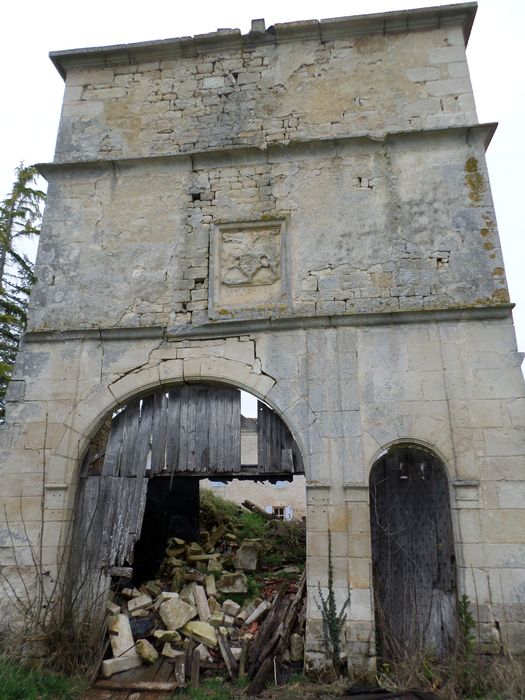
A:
x: 383, y: 23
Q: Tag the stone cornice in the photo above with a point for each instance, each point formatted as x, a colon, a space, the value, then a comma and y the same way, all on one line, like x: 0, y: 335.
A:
x: 224, y: 329
x: 322, y: 30
x: 274, y: 153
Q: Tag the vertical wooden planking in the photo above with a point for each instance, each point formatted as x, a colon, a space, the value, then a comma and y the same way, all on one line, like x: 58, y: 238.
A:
x: 216, y: 436
x: 412, y: 553
x: 275, y: 441
x: 114, y: 446
x: 225, y: 430
x: 187, y: 432
x: 159, y: 432
x: 143, y: 440
x: 173, y: 429
x: 202, y: 396
x: 129, y: 438
x: 136, y: 505
x: 262, y: 437
x: 88, y: 525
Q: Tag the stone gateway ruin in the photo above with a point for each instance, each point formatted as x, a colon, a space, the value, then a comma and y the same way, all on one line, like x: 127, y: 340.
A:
x: 302, y: 213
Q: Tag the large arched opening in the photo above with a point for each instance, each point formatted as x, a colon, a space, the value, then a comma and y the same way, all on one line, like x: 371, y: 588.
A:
x: 137, y: 512
x: 150, y: 456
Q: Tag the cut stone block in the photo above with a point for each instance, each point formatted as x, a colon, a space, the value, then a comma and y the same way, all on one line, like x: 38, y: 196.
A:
x: 175, y: 613
x: 167, y: 636
x: 113, y: 608
x: 201, y: 632
x: 214, y: 566
x: 259, y: 612
x: 216, y: 619
x: 209, y: 582
x: 233, y: 583
x: 187, y: 594
x: 146, y: 651
x: 169, y: 652
x: 204, y: 653
x: 163, y: 597
x: 296, y: 647
x: 122, y: 663
x: 214, y: 605
x: 174, y: 562
x: 154, y: 588
x: 121, y: 571
x: 141, y: 601
x: 216, y: 535
x: 194, y: 549
x: 120, y: 636
x: 230, y: 607
x: 242, y: 616
x: 246, y: 556
x: 202, y: 603
x: 202, y: 557
x: 130, y: 592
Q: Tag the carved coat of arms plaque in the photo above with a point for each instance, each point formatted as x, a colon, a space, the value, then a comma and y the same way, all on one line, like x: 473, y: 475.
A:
x: 248, y: 264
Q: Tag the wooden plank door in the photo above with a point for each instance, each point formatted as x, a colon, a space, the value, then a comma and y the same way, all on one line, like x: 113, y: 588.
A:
x: 277, y: 450
x: 413, y: 560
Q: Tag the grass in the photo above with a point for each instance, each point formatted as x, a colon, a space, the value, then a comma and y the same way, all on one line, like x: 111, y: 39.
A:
x: 211, y: 689
x: 244, y: 524
x: 19, y: 682
x: 282, y: 542
x: 483, y: 677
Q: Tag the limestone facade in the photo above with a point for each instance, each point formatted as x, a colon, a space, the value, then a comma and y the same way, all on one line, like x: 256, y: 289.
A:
x: 303, y: 212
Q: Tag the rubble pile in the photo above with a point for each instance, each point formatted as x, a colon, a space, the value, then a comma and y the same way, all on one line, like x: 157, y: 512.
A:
x: 220, y: 605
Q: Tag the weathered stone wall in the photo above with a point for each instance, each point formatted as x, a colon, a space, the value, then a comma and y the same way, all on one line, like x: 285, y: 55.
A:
x: 346, y: 273
x: 346, y: 393
x: 301, y: 82
x: 396, y: 225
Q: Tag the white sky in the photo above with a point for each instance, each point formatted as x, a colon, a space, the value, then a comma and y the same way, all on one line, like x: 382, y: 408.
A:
x: 33, y: 89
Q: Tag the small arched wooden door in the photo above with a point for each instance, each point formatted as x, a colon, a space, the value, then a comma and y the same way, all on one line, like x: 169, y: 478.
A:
x: 414, y: 571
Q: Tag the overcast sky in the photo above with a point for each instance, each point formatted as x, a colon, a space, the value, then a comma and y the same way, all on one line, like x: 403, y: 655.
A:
x: 32, y: 89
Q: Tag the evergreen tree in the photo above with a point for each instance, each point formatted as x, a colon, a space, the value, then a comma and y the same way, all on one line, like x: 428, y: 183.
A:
x: 20, y: 217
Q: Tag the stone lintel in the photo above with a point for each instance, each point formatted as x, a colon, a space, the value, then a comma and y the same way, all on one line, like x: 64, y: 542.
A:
x: 278, y: 153
x: 461, y: 15
x: 225, y: 329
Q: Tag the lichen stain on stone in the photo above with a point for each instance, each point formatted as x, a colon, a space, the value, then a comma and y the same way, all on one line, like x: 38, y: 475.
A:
x: 485, y: 232
x: 474, y: 180
x: 488, y: 245
x: 498, y: 272
x: 501, y: 296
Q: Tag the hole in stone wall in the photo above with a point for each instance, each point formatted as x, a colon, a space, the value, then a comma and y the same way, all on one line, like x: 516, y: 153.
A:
x: 196, y: 196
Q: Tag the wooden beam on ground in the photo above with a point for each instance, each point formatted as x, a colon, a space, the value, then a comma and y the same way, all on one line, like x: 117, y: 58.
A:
x: 152, y: 686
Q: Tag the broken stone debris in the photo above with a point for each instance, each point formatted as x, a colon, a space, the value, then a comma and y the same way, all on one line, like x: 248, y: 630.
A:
x: 187, y: 614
